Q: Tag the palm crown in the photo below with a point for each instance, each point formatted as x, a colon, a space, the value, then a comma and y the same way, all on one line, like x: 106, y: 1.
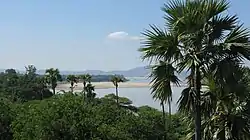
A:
x: 52, y: 76
x: 116, y: 79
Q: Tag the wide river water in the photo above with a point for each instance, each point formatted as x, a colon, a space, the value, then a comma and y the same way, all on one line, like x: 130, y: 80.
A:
x: 142, y: 96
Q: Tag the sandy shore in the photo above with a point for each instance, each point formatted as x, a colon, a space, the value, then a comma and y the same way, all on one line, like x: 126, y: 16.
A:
x: 104, y: 85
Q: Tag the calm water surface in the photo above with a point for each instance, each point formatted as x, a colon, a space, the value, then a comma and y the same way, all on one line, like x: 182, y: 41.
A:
x: 142, y: 96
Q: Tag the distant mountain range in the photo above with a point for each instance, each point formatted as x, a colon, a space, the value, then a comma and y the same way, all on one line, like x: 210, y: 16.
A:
x: 135, y: 72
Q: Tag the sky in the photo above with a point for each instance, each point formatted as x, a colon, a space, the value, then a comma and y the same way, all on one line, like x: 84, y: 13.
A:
x: 81, y: 34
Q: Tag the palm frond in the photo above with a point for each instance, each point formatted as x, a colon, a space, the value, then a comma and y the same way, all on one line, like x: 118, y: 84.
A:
x: 215, y: 7
x: 187, y: 101
x: 220, y: 24
x: 116, y: 79
x: 238, y: 35
x: 162, y: 76
x: 208, y: 104
x: 159, y: 44
x: 72, y: 78
x: 174, y: 11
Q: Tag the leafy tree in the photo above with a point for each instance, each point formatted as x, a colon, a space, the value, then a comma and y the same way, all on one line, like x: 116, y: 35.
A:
x: 73, y: 80
x: 116, y: 80
x: 198, y: 35
x: 52, y: 76
x: 10, y: 71
x: 123, y: 102
x: 23, y: 87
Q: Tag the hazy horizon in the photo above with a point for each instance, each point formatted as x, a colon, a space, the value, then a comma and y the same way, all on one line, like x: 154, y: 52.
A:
x: 74, y: 70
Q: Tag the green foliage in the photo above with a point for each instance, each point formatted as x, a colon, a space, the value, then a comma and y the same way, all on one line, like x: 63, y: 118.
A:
x: 6, y: 117
x: 122, y: 100
x: 68, y: 117
x: 176, y: 129
x: 23, y: 87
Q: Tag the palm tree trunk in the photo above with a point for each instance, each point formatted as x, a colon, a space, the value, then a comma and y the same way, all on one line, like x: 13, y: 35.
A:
x: 198, y: 109
x: 84, y: 92
x: 170, y: 112
x: 117, y: 97
x: 41, y: 92
x: 164, y: 120
x: 72, y: 87
x: 54, y: 90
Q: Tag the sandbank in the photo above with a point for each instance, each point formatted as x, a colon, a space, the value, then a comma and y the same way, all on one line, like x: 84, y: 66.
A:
x: 104, y: 85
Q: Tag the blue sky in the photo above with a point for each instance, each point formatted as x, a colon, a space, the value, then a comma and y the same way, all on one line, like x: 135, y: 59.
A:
x: 80, y: 34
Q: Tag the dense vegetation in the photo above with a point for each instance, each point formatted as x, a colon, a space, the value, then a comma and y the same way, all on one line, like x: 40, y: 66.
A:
x: 200, y: 38
x: 27, y: 115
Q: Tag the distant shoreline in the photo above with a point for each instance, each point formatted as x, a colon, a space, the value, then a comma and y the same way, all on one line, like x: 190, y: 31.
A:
x: 107, y: 85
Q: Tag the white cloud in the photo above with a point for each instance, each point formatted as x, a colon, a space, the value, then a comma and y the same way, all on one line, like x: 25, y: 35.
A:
x: 121, y: 35
x: 118, y: 35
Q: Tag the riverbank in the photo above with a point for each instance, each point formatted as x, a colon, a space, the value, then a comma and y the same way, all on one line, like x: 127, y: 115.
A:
x: 105, y: 85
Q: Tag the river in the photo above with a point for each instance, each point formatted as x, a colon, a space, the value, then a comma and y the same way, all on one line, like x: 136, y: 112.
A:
x: 142, y: 96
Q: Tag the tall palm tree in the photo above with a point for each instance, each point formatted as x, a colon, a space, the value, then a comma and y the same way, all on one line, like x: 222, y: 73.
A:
x: 162, y: 76
x: 197, y: 35
x: 224, y: 104
x: 90, y: 91
x: 86, y: 78
x: 73, y: 80
x: 52, y: 76
x: 116, y: 79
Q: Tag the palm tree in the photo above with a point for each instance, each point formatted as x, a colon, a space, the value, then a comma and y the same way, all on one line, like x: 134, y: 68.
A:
x: 197, y: 35
x: 224, y: 104
x: 162, y: 76
x: 52, y: 76
x: 116, y: 79
x: 73, y: 80
x: 90, y: 91
x: 86, y: 78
